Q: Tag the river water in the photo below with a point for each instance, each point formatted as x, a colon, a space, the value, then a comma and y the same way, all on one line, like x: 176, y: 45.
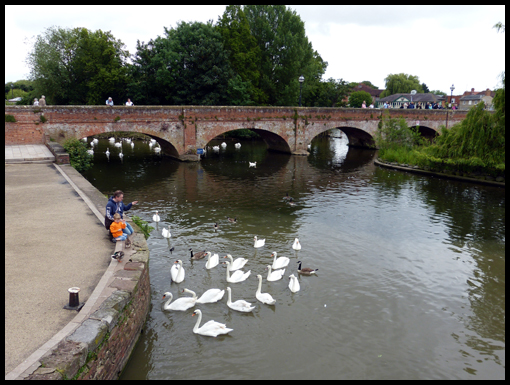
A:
x: 411, y: 280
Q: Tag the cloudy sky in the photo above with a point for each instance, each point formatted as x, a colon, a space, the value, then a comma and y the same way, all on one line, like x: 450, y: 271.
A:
x: 441, y: 44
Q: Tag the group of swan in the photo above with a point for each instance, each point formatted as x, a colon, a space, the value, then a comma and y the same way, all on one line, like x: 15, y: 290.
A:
x: 252, y: 164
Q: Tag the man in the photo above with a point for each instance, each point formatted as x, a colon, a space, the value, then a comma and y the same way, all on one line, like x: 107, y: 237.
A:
x: 385, y: 105
x: 109, y: 102
x: 113, y: 206
x: 42, y: 101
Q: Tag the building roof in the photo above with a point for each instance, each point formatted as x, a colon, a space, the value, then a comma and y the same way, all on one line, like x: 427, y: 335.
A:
x: 472, y: 97
x: 363, y: 87
x: 428, y: 97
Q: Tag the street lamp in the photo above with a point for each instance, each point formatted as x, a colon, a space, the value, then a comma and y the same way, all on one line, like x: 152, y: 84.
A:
x: 451, y: 96
x: 301, y: 80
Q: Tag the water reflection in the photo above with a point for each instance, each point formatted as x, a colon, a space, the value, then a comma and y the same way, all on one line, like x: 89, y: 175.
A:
x: 411, y: 267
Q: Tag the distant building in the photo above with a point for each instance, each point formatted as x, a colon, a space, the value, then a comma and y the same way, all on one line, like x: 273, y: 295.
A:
x: 396, y: 100
x: 472, y: 98
x: 363, y: 87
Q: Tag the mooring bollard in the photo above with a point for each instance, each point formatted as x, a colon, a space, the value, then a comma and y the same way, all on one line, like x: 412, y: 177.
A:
x: 74, y: 299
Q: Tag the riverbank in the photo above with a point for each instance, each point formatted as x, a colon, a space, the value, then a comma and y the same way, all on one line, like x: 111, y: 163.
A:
x: 481, y: 179
x: 54, y: 255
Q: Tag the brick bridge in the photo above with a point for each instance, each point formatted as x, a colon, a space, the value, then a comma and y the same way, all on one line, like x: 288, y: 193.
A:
x: 183, y: 129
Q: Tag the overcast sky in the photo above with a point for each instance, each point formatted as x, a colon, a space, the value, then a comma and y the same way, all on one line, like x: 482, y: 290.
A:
x: 441, y: 44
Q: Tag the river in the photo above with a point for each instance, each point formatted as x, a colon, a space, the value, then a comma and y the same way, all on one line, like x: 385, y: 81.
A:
x: 411, y: 279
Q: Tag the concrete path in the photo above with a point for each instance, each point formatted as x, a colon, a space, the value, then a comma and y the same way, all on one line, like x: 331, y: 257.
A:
x: 28, y: 153
x: 52, y: 242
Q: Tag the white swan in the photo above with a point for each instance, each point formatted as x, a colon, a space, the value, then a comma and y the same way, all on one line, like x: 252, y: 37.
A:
x: 92, y: 144
x: 216, y: 148
x: 253, y: 164
x: 121, y: 154
x: 157, y: 149
x: 279, y: 263
x: 177, y: 272
x: 212, y: 261
x: 166, y: 233
x: 95, y: 141
x: 239, y: 305
x: 237, y: 145
x: 274, y: 275
x: 211, y: 328
x: 84, y: 139
x: 296, y: 245
x: 128, y: 140
x: 237, y: 264
x: 181, y: 303
x: 238, y: 275
x: 264, y: 297
x: 155, y: 217
x: 258, y: 242
x: 294, y: 284
x: 118, y: 144
x: 153, y: 141
x: 224, y: 145
x: 90, y: 152
x: 211, y: 296
x: 111, y: 140
x: 107, y: 152
x: 132, y: 144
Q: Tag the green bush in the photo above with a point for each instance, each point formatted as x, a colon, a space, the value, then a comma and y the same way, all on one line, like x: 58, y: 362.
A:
x: 143, y: 225
x: 10, y: 118
x: 78, y: 156
x: 356, y: 99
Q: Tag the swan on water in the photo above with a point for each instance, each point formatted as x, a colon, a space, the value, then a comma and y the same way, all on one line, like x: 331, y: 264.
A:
x: 92, y: 144
x: 296, y: 245
x: 240, y: 304
x: 157, y: 149
x: 90, y: 152
x: 84, y: 139
x: 210, y: 328
x: 177, y: 272
x: 238, y: 276
x: 132, y: 144
x: 211, y: 296
x: 237, y: 145
x: 128, y: 140
x: 199, y: 255
x: 237, y: 264
x: 95, y: 141
x: 121, y: 154
x: 279, y: 263
x: 107, y: 152
x: 305, y: 270
x: 264, y: 297
x: 155, y: 217
x: 216, y: 148
x: 212, y: 261
x: 258, y: 242
x: 180, y: 304
x: 118, y: 144
x: 294, y: 284
x: 274, y: 275
x: 224, y: 145
x: 166, y: 233
x: 112, y: 139
x: 253, y: 164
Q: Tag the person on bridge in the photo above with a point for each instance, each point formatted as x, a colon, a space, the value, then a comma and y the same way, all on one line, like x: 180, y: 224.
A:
x: 115, y: 206
x: 109, y: 101
x: 42, y: 101
x: 36, y: 102
x: 364, y: 104
x: 129, y: 103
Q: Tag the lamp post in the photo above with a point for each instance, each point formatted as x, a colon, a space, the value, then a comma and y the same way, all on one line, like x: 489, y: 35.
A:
x: 301, y: 80
x: 451, y: 96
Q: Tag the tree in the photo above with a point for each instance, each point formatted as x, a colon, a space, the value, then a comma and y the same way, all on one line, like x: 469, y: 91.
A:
x: 242, y: 48
x: 437, y: 92
x: 401, y: 83
x: 425, y: 88
x: 368, y: 83
x: 330, y: 93
x: 78, y: 66
x: 356, y: 98
x: 285, y: 54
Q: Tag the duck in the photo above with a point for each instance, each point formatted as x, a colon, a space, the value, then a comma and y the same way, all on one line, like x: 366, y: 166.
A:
x: 305, y: 270
x: 166, y: 233
x: 291, y: 202
x: 199, y: 255
x: 239, y: 305
x: 253, y: 164
x: 294, y: 284
x: 180, y: 304
x: 210, y: 328
x: 215, y: 226
x: 274, y: 275
x: 296, y: 245
x: 107, y: 152
x: 258, y: 242
x: 177, y: 272
x: 279, y: 263
x: 238, y: 275
x: 237, y: 145
x: 237, y: 264
x: 212, y: 261
x: 211, y: 296
x: 264, y: 297
x: 287, y: 197
x: 232, y: 220
x: 155, y: 217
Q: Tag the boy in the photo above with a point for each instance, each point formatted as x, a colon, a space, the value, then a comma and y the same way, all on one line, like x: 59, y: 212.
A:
x: 116, y: 230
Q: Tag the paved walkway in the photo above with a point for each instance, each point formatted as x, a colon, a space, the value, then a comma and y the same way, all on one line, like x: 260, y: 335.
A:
x: 28, y: 153
x: 52, y: 242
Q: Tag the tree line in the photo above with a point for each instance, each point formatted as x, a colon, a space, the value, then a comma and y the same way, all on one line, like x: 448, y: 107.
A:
x: 252, y: 55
